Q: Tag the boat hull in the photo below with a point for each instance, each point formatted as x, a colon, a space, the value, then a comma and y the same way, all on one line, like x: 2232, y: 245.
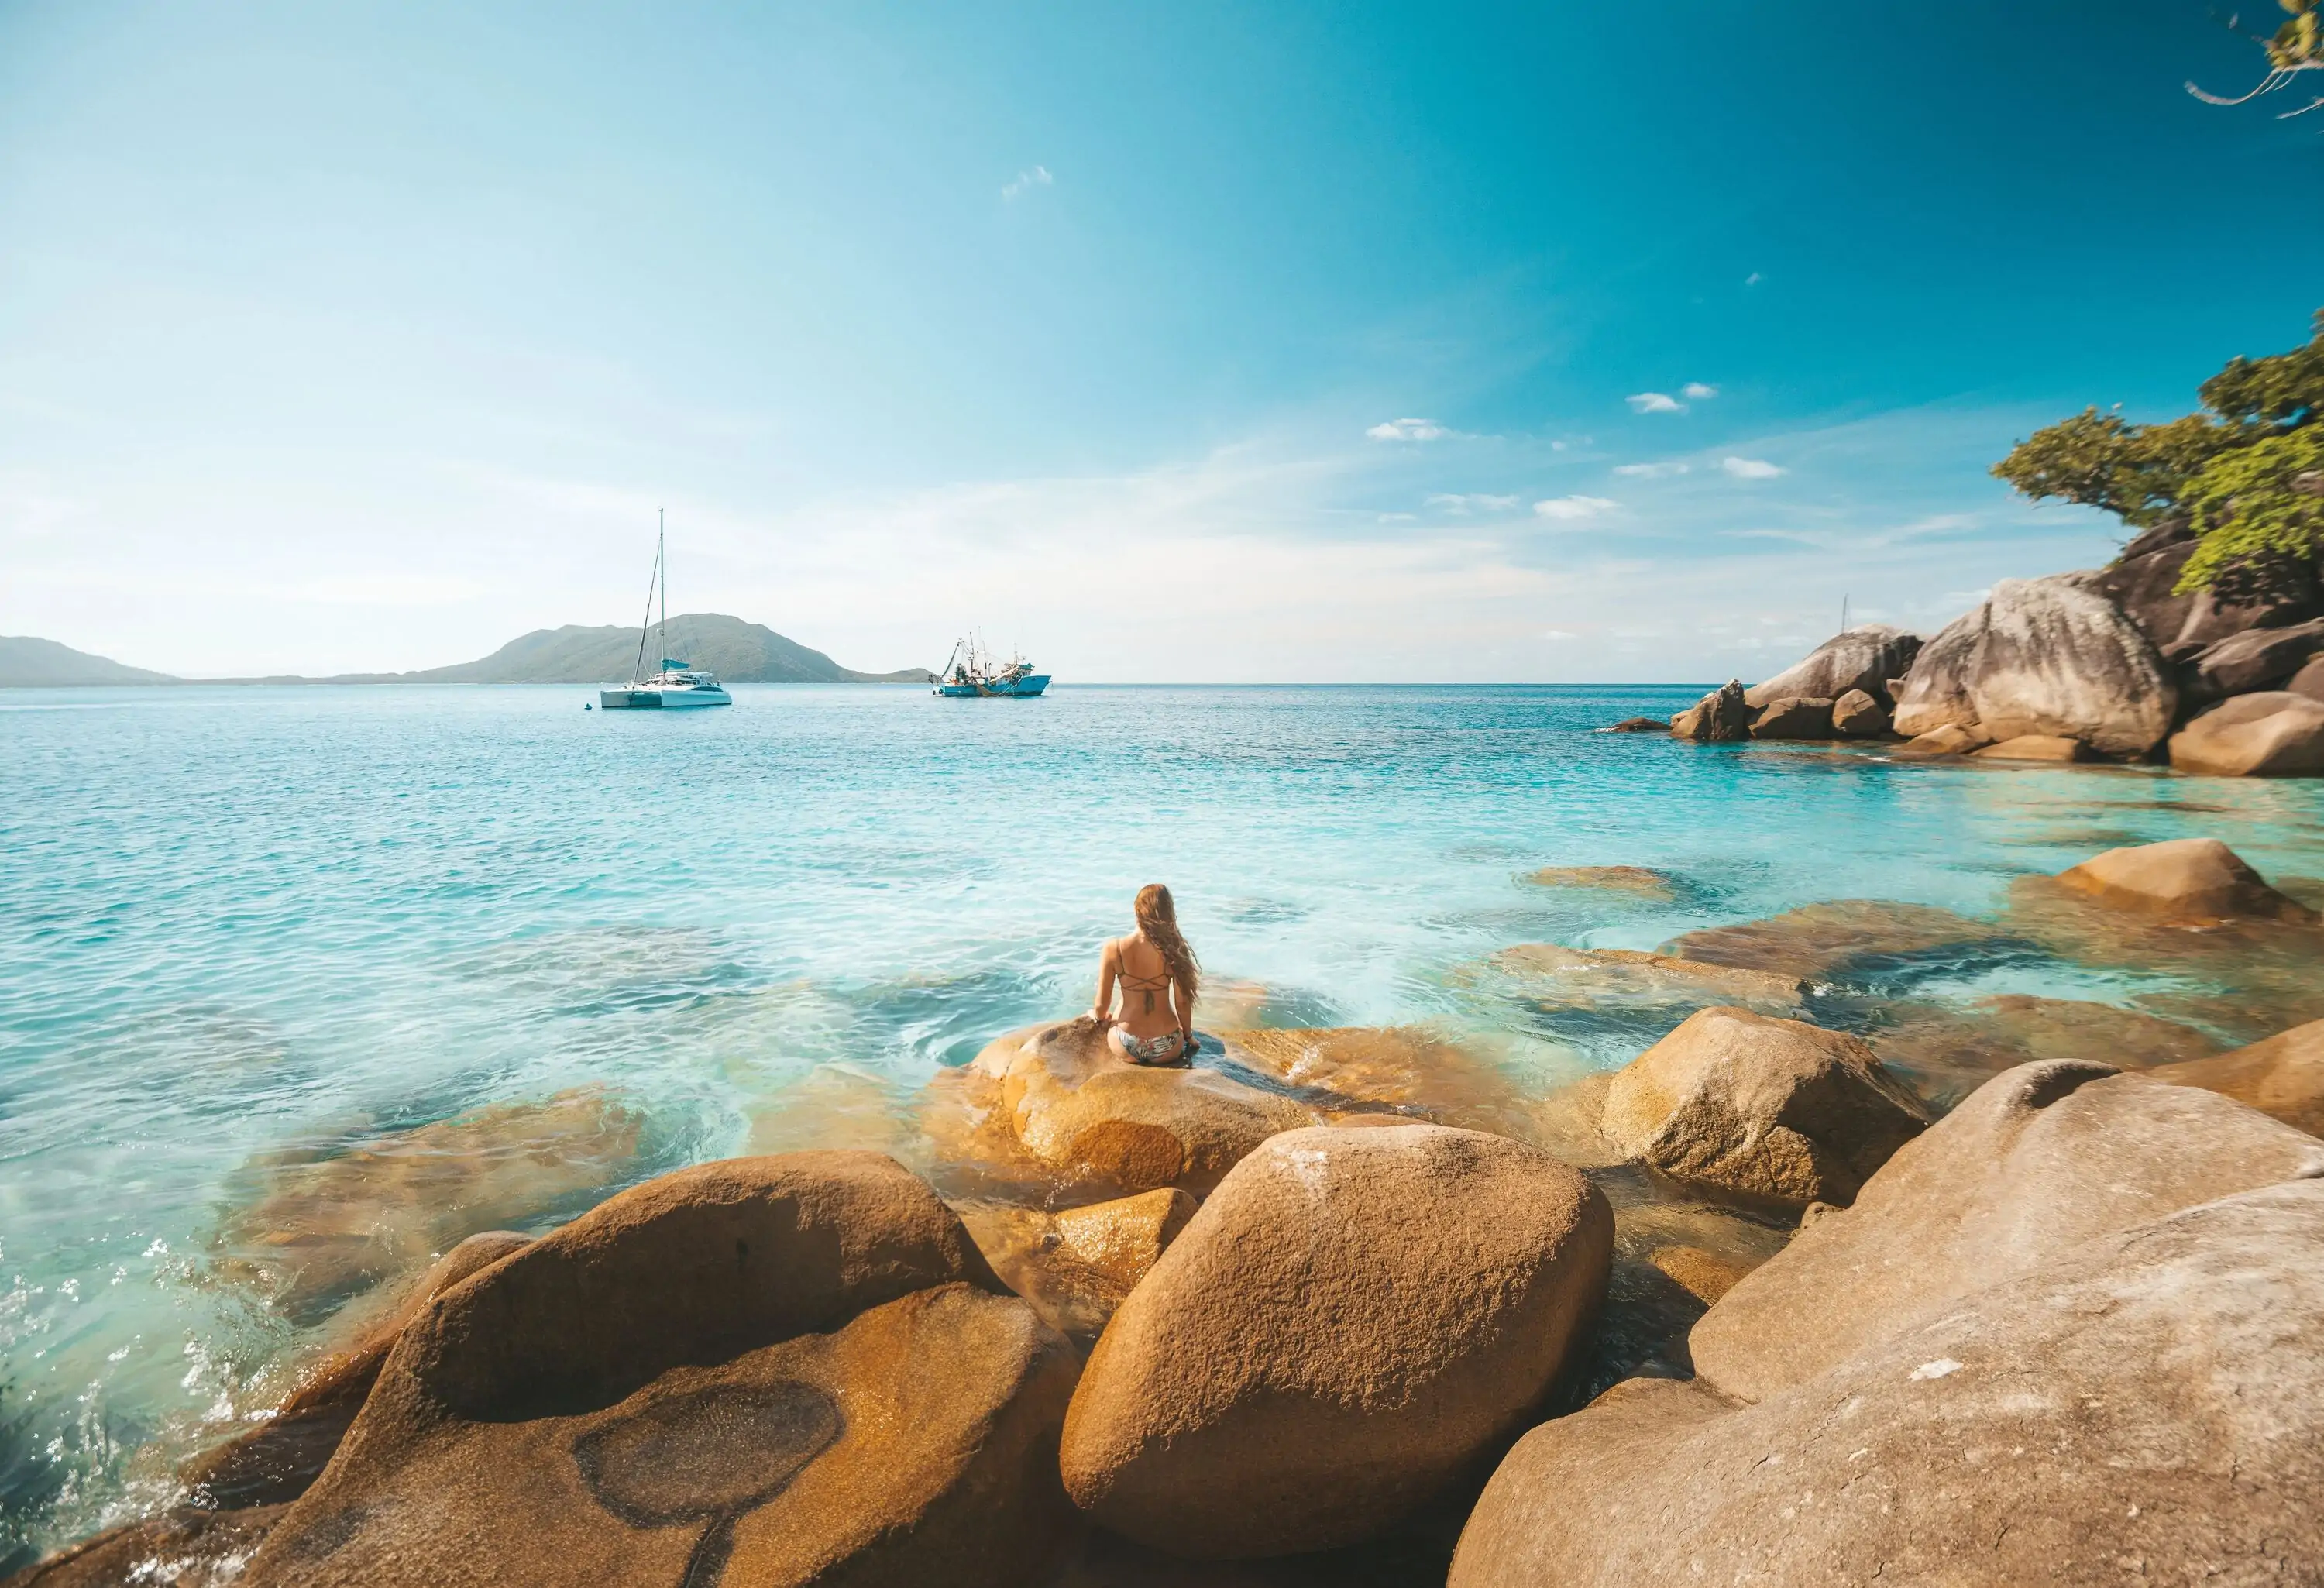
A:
x: 1022, y: 689
x: 661, y: 699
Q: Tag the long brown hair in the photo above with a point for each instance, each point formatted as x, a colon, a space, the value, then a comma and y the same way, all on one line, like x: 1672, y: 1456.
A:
x: 1157, y: 918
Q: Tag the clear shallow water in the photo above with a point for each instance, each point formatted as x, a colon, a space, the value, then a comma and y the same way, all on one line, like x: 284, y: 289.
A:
x: 237, y: 922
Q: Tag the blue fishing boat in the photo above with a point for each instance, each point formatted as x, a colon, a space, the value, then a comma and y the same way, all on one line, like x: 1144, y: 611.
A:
x: 971, y: 673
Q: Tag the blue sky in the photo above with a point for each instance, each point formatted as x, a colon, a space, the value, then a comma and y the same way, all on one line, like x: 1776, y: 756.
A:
x: 1183, y: 342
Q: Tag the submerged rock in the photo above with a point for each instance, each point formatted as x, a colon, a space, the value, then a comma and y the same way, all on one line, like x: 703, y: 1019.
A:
x: 2274, y: 735
x: 326, y: 1227
x: 1947, y: 1052
x: 1353, y: 1315
x: 1638, y: 725
x: 1769, y: 1109
x: 1403, y: 1071
x: 1722, y: 716
x: 773, y: 1371
x: 1644, y: 880
x: 2050, y: 657
x: 2282, y: 1076
x: 1836, y: 938
x: 1858, y: 714
x: 1634, y: 976
x: 1862, y: 660
x: 2184, y: 880
x: 1790, y: 718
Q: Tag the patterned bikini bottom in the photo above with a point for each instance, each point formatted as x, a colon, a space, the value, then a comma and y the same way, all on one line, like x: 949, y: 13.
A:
x: 1162, y: 1049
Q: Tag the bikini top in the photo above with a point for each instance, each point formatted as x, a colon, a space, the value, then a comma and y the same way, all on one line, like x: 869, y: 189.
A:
x: 1145, y: 983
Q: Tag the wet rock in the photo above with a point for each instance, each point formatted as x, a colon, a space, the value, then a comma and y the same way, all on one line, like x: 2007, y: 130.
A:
x: 326, y: 1227
x: 2147, y: 1404
x: 2253, y: 659
x: 2037, y: 1161
x: 1790, y: 718
x: 276, y: 1462
x: 1863, y: 659
x: 1059, y: 1096
x: 1638, y: 725
x: 832, y: 1107
x: 2036, y: 747
x: 2043, y: 656
x: 1643, y: 880
x: 1704, y: 1275
x: 1406, y: 1071
x: 1722, y: 716
x: 2275, y: 733
x: 1658, y: 981
x: 1858, y: 714
x: 2185, y: 880
x: 768, y: 1370
x: 1953, y: 739
x: 1945, y: 1053
x: 2282, y: 1076
x: 187, y: 1547
x: 1353, y: 1315
x: 1768, y: 1109
x: 1838, y: 937
x: 1075, y: 1266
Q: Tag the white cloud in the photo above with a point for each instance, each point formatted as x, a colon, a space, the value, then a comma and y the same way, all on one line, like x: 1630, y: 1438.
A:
x: 1698, y: 390
x: 1572, y: 507
x: 1472, y: 502
x: 1409, y: 430
x: 1559, y: 634
x: 1750, y: 468
x: 1652, y: 471
x: 1654, y: 402
x: 1027, y: 180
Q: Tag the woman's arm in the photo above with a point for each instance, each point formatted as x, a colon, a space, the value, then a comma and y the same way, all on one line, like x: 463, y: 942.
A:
x: 1186, y: 1002
x: 1106, y: 972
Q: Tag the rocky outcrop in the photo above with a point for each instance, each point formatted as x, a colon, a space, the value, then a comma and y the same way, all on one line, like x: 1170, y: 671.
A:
x: 2308, y: 681
x: 2253, y: 659
x: 2036, y: 747
x: 1838, y: 939
x: 1789, y: 718
x: 1858, y: 714
x: 1638, y: 725
x: 277, y: 1461
x: 2050, y: 657
x: 2142, y: 581
x: 2282, y: 1076
x: 1089, y: 1120
x: 2146, y: 1405
x: 1862, y: 660
x: 1953, y: 739
x: 2275, y: 733
x: 2189, y: 881
x: 1773, y: 1110
x: 772, y: 1371
x: 1353, y: 1315
x: 1721, y: 717
x: 186, y: 1547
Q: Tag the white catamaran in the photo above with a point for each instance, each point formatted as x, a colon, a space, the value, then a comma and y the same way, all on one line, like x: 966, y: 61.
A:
x: 674, y: 683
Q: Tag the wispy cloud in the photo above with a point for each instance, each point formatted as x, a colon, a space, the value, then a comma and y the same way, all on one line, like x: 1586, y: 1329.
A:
x: 1652, y: 471
x: 1472, y: 502
x: 1573, y: 507
x: 1409, y: 429
x: 1750, y: 468
x: 1027, y: 180
x: 1698, y: 392
x: 1654, y: 402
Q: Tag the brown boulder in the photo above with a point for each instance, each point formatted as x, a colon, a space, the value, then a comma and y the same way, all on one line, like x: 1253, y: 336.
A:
x: 1766, y: 1109
x: 2308, y: 681
x: 2253, y: 659
x: 2036, y: 747
x: 2275, y: 733
x: 2036, y: 1161
x: 1836, y: 938
x: 1953, y: 739
x: 2051, y: 656
x: 2282, y: 1076
x: 2189, y: 880
x: 1722, y: 716
x: 772, y: 1371
x: 1794, y: 719
x: 1352, y: 1316
x: 1862, y: 660
x: 186, y: 1547
x: 1858, y: 714
x: 2147, y: 1406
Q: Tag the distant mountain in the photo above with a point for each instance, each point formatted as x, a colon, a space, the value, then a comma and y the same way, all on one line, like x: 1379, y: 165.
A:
x: 26, y: 662
x: 739, y: 652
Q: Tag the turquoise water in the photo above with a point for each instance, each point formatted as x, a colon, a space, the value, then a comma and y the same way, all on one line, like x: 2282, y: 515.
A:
x: 234, y: 923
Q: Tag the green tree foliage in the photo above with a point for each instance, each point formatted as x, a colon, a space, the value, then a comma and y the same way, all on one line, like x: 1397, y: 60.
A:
x: 2246, y: 474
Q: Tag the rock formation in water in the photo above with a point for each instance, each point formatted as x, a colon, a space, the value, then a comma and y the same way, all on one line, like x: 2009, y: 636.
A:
x: 1861, y: 661
x: 2273, y: 734
x: 1720, y: 717
x: 2282, y: 1075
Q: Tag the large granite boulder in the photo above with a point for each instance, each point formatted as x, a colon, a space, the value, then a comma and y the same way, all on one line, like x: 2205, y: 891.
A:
x: 2282, y: 1076
x: 1090, y: 1120
x: 1721, y: 717
x: 2146, y: 1405
x: 2144, y: 582
x: 2308, y: 681
x: 1789, y: 718
x: 1863, y: 659
x: 2253, y: 659
x: 2043, y: 656
x: 1773, y: 1110
x: 770, y: 1371
x: 1858, y: 714
x: 2190, y: 880
x: 1352, y: 1316
x: 2275, y: 733
x: 2036, y: 1161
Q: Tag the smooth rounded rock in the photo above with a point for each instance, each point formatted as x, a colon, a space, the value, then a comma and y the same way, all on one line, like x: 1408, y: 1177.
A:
x: 2276, y: 733
x: 1859, y: 661
x: 2189, y: 880
x: 2036, y: 747
x: 1352, y: 1316
x: 2282, y: 1076
x: 1722, y: 716
x: 1858, y: 714
x: 1794, y: 719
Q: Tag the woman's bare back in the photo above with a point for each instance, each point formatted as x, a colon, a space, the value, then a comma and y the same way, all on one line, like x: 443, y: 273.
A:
x: 1147, y: 992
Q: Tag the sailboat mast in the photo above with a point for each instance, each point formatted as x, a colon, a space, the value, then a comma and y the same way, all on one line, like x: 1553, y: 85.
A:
x: 645, y: 623
x: 661, y: 561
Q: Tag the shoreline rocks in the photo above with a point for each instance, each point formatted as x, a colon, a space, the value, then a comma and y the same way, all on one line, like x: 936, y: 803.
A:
x: 2190, y: 880
x: 1721, y: 717
x: 2282, y: 1076
x: 2270, y: 734
x: 1860, y: 660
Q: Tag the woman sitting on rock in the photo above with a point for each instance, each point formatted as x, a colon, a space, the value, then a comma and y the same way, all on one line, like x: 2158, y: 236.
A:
x: 1158, y: 974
